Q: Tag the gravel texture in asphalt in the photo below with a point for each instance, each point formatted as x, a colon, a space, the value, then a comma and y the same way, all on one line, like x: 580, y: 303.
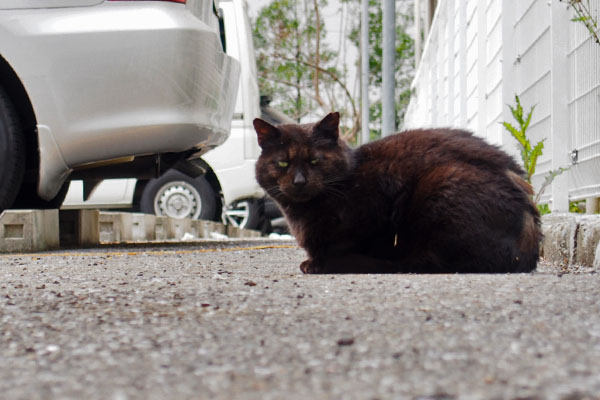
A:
x: 199, y: 322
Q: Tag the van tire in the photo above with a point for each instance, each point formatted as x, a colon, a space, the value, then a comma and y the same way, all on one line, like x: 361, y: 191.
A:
x: 245, y: 214
x: 177, y: 195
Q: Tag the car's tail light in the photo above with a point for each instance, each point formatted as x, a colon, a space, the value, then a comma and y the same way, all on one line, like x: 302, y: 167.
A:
x: 172, y: 1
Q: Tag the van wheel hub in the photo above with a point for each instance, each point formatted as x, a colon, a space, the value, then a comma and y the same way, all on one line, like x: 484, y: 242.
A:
x: 178, y: 200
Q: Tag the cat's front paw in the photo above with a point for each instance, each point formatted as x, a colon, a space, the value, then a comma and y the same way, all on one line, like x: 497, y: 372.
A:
x: 309, y: 267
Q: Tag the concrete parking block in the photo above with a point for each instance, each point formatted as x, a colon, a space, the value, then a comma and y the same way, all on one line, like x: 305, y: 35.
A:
x: 197, y: 228
x: 143, y: 227
x: 179, y: 227
x: 115, y: 227
x: 119, y: 227
x: 80, y: 228
x: 235, y: 232
x: 162, y: 228
x: 29, y: 230
x: 211, y: 227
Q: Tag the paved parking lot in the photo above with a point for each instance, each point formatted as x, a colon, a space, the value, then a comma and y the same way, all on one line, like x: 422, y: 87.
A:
x: 201, y: 322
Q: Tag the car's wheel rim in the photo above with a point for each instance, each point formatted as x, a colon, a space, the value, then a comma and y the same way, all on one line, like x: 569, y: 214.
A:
x: 178, y: 200
x: 238, y: 213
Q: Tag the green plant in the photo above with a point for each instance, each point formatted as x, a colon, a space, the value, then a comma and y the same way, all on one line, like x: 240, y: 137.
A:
x: 574, y: 207
x: 583, y: 10
x: 543, y: 209
x: 548, y: 180
x: 577, y: 206
x: 529, y: 153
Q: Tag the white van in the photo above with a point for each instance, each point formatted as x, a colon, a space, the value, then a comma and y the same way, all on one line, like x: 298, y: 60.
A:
x: 224, y: 186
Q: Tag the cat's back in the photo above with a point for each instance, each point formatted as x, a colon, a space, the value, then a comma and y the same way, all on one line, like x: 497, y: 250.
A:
x: 457, y: 203
x: 424, y: 148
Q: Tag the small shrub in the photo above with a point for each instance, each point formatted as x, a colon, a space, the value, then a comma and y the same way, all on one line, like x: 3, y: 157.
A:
x: 543, y: 209
x: 530, y: 153
x: 583, y: 10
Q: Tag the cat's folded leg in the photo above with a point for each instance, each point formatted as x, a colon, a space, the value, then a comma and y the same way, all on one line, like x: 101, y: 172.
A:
x: 351, y: 263
x: 310, y: 267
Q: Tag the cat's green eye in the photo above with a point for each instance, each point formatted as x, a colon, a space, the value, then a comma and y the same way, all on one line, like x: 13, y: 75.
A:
x: 314, y: 161
x: 283, y: 164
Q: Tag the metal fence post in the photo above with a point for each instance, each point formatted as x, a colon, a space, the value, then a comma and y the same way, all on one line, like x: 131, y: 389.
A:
x: 388, y: 118
x: 481, y: 68
x: 451, y: 32
x: 462, y: 57
x: 560, y: 132
x: 418, y: 29
x: 508, y: 67
x: 364, y: 71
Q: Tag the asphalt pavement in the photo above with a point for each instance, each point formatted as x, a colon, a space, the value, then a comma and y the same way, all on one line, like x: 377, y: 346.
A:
x: 241, y: 322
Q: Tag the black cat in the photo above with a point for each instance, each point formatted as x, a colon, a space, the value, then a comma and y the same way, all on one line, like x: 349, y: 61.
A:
x: 427, y: 201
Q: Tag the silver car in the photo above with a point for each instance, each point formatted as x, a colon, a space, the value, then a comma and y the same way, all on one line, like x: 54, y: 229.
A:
x: 93, y: 89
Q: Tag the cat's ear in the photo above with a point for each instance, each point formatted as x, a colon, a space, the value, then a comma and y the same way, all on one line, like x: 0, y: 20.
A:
x: 265, y: 132
x: 328, y: 127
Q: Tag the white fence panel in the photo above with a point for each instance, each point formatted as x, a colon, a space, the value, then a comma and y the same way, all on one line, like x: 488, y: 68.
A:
x: 531, y: 75
x: 471, y: 68
x: 584, y: 110
x: 493, y: 72
x: 480, y: 53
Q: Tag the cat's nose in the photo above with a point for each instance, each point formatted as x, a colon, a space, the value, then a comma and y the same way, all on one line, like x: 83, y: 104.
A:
x: 299, y: 179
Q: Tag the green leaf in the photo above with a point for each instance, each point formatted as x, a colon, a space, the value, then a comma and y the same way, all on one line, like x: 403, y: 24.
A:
x: 529, y: 155
x: 518, y: 135
x: 518, y: 112
x: 535, y: 153
x: 529, y: 115
x: 513, y: 131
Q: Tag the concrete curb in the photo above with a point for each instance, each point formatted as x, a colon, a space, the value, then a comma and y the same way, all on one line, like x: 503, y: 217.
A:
x: 571, y: 240
x: 39, y: 230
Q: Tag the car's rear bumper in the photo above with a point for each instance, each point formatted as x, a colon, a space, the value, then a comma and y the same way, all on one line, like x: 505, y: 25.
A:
x: 125, y: 79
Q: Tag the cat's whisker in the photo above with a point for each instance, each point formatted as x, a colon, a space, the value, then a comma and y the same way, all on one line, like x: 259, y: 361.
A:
x: 335, y: 178
x: 334, y: 191
x: 273, y: 191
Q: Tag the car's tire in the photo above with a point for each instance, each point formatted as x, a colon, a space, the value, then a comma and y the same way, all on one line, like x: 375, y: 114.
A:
x: 177, y: 195
x: 245, y: 214
x: 12, y: 152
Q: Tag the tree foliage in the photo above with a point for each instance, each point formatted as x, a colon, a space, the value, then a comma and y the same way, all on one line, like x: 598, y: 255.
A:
x: 303, y: 74
x: 296, y: 65
x: 405, y: 53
